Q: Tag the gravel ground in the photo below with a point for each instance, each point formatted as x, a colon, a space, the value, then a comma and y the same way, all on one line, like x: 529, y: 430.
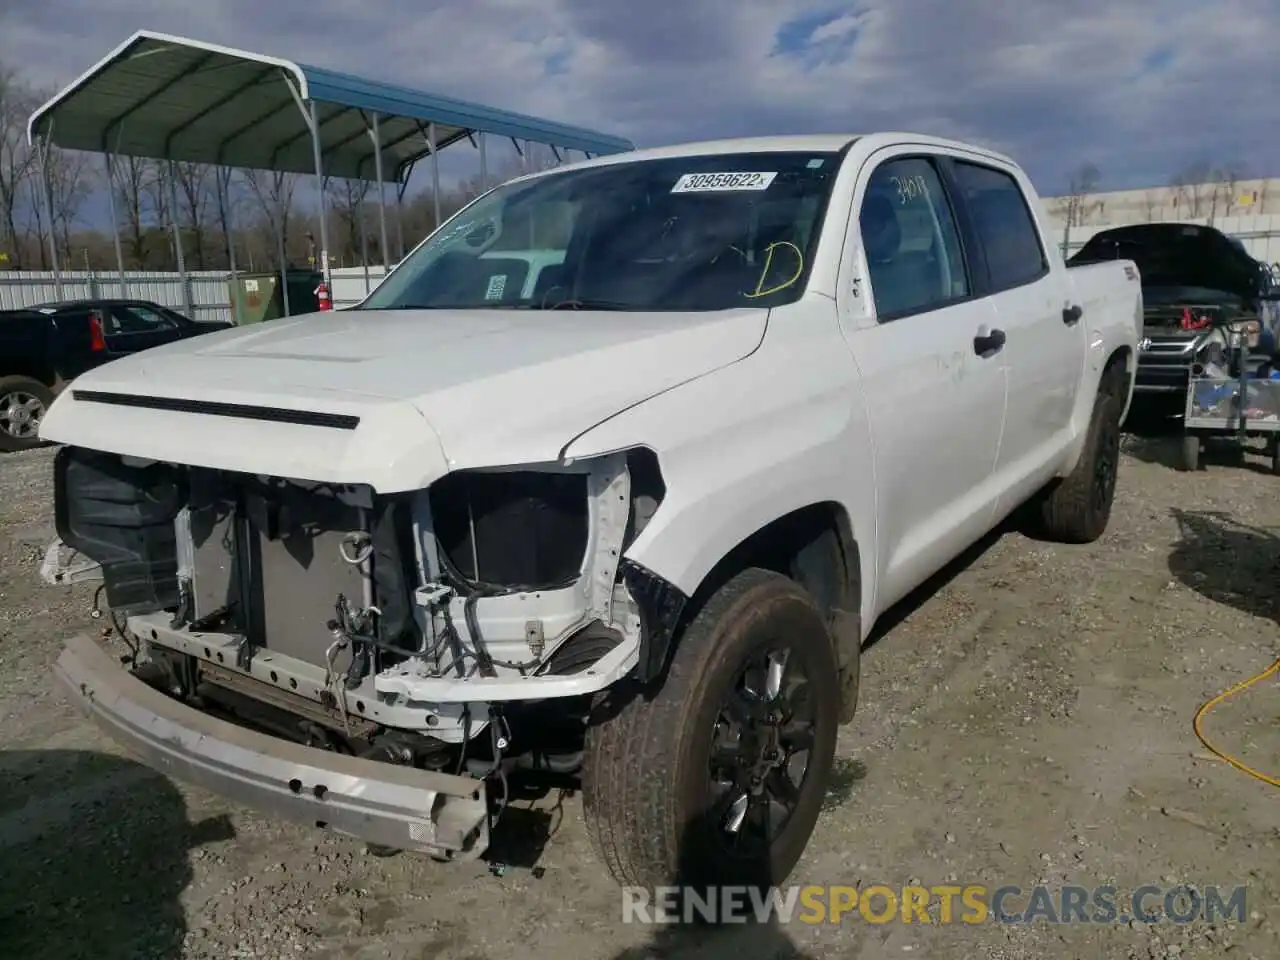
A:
x: 1026, y: 719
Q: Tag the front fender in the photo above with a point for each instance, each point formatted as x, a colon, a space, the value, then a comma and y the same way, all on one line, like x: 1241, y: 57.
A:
x: 749, y: 444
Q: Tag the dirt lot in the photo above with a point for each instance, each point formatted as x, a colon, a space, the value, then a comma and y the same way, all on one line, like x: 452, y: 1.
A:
x: 1028, y: 720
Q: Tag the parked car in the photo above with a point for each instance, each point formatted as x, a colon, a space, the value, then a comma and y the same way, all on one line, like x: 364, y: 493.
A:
x: 1187, y: 270
x: 660, y: 492
x: 43, y: 348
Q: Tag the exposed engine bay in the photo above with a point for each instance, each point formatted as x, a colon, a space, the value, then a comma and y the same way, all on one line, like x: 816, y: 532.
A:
x: 460, y: 628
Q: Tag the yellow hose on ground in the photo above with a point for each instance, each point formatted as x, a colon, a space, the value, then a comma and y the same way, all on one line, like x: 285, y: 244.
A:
x: 1220, y: 754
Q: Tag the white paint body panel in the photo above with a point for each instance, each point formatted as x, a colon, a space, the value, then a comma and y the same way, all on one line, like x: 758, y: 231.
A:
x: 752, y: 414
x: 435, y: 390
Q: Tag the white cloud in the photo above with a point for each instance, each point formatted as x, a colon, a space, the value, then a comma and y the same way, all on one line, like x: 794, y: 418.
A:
x: 1139, y: 87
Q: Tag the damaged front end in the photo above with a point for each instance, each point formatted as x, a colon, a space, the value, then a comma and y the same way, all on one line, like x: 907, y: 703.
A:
x: 459, y: 630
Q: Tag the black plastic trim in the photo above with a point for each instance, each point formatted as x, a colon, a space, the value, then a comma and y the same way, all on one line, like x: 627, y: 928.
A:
x: 661, y: 605
x: 123, y: 518
x: 302, y: 418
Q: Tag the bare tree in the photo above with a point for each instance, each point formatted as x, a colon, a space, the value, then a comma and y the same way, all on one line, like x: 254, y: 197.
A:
x: 1082, y: 185
x: 1150, y: 203
x: 69, y: 187
x: 156, y: 202
x: 16, y: 161
x: 346, y: 199
x: 193, y: 190
x: 274, y: 193
x: 228, y: 203
x: 1192, y: 190
x: 1224, y: 186
x: 130, y: 176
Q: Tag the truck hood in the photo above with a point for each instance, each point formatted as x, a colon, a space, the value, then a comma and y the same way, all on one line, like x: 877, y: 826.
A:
x: 392, y: 398
x: 1170, y: 255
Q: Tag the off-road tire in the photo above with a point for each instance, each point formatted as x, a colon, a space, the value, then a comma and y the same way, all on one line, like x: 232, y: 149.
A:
x: 1071, y: 512
x: 646, y: 763
x: 18, y: 384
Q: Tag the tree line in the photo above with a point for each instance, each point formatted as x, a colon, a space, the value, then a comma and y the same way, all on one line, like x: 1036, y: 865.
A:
x: 1200, y: 189
x: 253, y: 208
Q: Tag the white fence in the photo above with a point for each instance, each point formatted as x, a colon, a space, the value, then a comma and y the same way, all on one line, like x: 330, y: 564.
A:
x: 353, y: 284
x: 210, y: 295
x: 210, y: 289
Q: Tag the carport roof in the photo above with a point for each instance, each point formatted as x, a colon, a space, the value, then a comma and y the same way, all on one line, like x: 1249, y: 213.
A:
x: 167, y: 97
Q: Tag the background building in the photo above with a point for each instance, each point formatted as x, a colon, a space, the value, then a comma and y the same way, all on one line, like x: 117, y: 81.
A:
x: 1246, y: 208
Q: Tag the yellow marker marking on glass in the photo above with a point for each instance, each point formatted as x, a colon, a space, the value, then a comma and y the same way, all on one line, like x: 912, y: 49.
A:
x: 768, y: 262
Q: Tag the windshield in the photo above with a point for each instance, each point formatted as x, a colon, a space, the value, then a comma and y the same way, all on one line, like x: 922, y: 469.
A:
x: 688, y: 233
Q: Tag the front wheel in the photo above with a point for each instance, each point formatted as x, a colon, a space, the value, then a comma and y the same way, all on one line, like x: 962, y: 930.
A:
x: 718, y: 777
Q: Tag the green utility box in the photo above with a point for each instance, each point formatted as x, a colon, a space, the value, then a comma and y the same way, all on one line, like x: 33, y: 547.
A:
x: 257, y: 296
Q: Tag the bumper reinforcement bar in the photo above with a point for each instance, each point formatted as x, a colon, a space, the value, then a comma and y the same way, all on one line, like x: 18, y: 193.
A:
x: 382, y: 803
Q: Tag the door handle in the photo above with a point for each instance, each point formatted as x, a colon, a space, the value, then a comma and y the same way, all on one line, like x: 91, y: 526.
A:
x: 988, y: 343
x: 1071, y: 314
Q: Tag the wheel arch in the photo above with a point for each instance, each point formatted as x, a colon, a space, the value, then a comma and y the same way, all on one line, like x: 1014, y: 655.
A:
x: 1120, y: 364
x: 814, y: 545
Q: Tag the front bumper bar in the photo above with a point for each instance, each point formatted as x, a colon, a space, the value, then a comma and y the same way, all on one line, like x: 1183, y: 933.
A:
x: 382, y: 803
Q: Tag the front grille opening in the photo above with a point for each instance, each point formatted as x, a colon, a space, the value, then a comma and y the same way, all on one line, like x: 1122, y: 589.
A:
x: 523, y: 529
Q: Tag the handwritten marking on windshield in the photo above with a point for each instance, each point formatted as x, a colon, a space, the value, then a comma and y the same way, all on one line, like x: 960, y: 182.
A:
x: 760, y: 291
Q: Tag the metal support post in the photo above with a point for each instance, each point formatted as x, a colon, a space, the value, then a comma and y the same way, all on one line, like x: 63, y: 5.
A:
x: 284, y: 267
x: 222, y: 179
x: 364, y: 246
x: 324, y: 220
x: 46, y: 195
x: 435, y: 171
x: 177, y: 240
x: 382, y: 198
x: 115, y: 223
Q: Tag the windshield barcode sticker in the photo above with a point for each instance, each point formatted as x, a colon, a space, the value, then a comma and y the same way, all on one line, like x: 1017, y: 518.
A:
x: 712, y: 182
x: 497, y: 287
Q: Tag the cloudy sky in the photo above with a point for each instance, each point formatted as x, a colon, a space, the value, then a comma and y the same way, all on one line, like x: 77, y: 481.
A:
x: 1141, y: 88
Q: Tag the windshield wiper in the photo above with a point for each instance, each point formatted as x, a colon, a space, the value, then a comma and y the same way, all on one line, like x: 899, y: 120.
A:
x: 445, y: 306
x: 579, y: 304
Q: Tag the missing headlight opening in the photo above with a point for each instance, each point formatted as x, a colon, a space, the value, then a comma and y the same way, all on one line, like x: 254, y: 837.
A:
x: 400, y: 626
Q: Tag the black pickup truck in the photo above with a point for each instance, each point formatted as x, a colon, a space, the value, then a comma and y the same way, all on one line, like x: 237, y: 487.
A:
x: 1191, y: 275
x: 43, y: 348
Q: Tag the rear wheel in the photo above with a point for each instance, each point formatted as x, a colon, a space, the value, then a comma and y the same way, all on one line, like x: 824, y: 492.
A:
x: 719, y: 776
x: 1078, y: 508
x: 23, y: 403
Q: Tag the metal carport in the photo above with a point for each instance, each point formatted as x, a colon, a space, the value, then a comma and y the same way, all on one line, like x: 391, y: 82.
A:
x: 172, y: 99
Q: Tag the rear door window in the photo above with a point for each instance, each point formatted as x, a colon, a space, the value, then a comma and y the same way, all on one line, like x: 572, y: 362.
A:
x: 1004, y: 225
x: 138, y: 319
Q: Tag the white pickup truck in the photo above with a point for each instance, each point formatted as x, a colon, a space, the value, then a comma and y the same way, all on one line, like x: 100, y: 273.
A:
x: 610, y: 477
